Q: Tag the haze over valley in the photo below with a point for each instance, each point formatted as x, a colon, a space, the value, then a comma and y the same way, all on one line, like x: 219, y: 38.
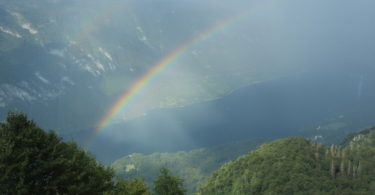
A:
x: 187, y: 77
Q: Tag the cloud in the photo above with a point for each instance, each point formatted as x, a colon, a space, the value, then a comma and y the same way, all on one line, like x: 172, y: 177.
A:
x: 41, y: 78
x: 28, y: 27
x: 7, y: 31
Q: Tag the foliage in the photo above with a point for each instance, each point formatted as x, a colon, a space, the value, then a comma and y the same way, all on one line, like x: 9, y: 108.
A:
x: 299, y: 166
x: 36, y: 162
x: 168, y: 184
x: 192, y: 166
x: 134, y: 186
x: 365, y: 137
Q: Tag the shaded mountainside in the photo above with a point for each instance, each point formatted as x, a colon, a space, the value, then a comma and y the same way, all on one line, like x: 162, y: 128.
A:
x: 300, y: 166
x: 65, y: 62
x: 330, y: 104
x: 67, y: 55
x: 192, y: 166
x: 335, y: 128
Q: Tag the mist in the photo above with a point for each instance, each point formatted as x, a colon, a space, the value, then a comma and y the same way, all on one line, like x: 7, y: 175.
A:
x: 283, y: 58
x: 269, y: 69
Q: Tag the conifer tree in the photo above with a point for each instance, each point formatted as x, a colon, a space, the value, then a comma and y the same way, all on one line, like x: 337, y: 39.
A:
x: 134, y: 186
x: 33, y: 161
x: 168, y: 184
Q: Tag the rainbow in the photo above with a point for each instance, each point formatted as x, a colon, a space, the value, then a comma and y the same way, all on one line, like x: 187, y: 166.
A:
x: 141, y: 83
x: 161, y: 65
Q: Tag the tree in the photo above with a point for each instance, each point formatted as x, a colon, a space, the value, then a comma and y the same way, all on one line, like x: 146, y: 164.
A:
x: 33, y: 161
x: 134, y: 186
x: 168, y: 184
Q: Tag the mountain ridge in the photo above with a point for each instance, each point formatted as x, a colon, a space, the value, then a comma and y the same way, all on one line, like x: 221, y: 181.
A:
x: 192, y: 166
x: 297, y: 165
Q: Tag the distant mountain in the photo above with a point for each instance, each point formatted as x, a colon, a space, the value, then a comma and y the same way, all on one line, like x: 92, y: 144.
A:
x: 335, y: 128
x: 66, y: 62
x: 324, y: 107
x: 296, y: 165
x: 192, y: 166
x: 365, y: 138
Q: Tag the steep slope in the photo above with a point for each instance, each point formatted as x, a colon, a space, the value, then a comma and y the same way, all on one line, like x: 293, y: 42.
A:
x: 193, y: 166
x: 64, y: 56
x: 299, y: 166
x: 365, y: 138
x: 331, y: 108
x: 335, y: 128
x: 66, y: 62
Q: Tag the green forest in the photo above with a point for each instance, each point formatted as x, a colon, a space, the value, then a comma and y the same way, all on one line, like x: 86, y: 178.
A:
x: 35, y: 161
x: 193, y: 166
x: 300, y: 166
x: 187, y: 97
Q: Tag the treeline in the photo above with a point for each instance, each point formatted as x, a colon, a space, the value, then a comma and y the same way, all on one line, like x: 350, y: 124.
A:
x: 193, y: 166
x: 33, y: 161
x: 300, y: 166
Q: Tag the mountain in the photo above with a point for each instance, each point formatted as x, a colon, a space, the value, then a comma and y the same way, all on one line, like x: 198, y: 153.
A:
x: 335, y: 128
x: 59, y: 58
x: 297, y: 165
x: 320, y: 106
x: 192, y: 166
x: 66, y: 63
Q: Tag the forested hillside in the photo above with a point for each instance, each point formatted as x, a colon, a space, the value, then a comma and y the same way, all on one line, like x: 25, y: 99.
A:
x: 38, y: 162
x: 300, y: 166
x: 33, y: 161
x: 192, y: 166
